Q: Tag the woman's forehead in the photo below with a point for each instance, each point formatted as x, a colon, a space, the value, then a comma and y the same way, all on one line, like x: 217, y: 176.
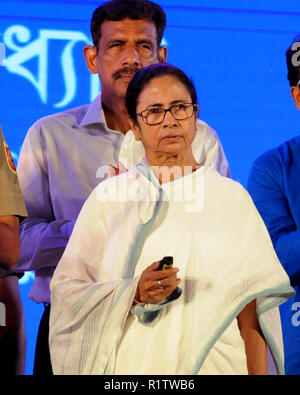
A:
x: 164, y: 89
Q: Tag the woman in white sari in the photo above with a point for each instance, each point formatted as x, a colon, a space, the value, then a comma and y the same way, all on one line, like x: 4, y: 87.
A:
x: 216, y: 310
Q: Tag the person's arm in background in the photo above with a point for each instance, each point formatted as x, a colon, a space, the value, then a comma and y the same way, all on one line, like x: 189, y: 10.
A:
x: 43, y: 238
x: 264, y: 186
x: 12, y: 333
x: 11, y: 207
x: 9, y: 241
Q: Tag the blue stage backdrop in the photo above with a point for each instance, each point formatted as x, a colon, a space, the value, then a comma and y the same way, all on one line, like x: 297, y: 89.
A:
x: 234, y: 50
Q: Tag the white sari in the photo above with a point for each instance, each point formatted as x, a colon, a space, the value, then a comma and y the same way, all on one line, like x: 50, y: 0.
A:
x: 210, y: 226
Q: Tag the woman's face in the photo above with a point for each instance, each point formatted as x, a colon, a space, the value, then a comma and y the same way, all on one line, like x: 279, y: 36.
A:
x: 170, y: 136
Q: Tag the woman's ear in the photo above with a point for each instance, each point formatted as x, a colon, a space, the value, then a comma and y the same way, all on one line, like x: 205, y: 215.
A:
x: 295, y: 92
x: 196, y: 111
x: 135, y: 128
x: 90, y: 55
x: 196, y: 114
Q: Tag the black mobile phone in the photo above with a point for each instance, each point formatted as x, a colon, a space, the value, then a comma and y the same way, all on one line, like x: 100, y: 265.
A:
x: 166, y: 263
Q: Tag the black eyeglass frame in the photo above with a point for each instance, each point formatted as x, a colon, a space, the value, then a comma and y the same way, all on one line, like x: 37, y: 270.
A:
x: 140, y: 114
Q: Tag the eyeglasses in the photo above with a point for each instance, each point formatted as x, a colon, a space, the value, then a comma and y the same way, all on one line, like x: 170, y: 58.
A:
x: 155, y: 116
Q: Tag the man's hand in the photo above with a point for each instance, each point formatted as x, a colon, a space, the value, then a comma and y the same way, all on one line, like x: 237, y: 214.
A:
x: 156, y: 285
x: 116, y: 170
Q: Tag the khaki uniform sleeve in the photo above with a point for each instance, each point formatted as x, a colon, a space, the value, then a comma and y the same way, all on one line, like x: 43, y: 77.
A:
x: 11, y: 199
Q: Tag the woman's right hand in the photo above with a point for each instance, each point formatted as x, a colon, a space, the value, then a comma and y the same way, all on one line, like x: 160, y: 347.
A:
x: 156, y: 285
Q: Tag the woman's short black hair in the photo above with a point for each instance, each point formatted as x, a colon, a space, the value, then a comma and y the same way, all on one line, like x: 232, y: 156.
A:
x: 145, y: 75
x: 117, y: 10
x: 293, y: 61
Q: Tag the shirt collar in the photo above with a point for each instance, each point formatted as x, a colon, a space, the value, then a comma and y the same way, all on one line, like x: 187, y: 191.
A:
x: 94, y: 113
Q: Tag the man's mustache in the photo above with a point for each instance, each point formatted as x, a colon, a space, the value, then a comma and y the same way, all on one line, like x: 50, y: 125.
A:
x: 125, y: 71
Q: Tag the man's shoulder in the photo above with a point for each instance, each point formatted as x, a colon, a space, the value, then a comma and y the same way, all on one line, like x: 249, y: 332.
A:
x: 269, y: 155
x: 68, y: 117
x: 279, y: 154
x: 272, y: 164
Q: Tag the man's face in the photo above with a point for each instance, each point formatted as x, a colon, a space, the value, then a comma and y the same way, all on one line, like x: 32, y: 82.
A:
x: 125, y: 47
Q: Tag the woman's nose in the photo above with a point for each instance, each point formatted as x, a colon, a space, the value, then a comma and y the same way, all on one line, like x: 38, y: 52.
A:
x: 169, y: 119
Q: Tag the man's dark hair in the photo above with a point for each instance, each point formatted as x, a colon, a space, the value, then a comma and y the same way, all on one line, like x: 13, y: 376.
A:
x: 117, y: 10
x: 293, y: 61
x: 145, y: 75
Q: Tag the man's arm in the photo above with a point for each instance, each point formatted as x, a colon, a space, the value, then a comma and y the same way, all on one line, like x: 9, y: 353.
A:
x: 12, y: 335
x: 43, y: 238
x: 9, y: 241
x: 11, y: 207
x: 43, y: 242
x: 255, y: 345
x: 265, y: 188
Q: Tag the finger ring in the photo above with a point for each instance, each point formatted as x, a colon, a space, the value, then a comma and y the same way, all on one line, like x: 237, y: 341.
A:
x: 160, y: 284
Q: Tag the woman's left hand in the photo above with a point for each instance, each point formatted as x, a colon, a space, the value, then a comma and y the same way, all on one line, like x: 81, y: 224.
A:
x: 156, y: 285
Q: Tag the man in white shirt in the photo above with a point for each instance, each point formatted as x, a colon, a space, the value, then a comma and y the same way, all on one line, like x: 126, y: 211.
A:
x: 63, y: 153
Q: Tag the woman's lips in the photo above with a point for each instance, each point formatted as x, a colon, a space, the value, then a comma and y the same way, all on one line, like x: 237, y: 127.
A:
x: 172, y: 138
